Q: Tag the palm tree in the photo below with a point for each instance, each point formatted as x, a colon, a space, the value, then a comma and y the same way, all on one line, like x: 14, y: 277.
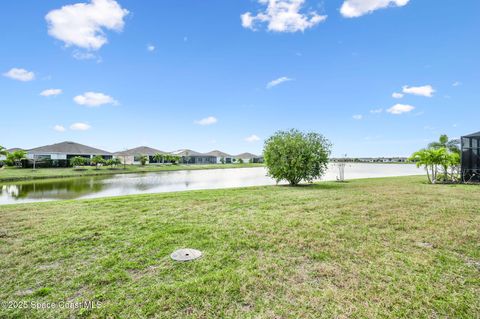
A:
x: 444, y: 142
x: 3, y: 150
x: 159, y: 157
x: 143, y: 160
x: 431, y: 159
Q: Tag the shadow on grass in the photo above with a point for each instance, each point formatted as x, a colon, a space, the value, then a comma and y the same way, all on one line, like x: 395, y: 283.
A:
x: 319, y: 185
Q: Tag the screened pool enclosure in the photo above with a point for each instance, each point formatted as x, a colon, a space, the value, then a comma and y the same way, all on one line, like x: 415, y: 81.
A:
x: 471, y: 157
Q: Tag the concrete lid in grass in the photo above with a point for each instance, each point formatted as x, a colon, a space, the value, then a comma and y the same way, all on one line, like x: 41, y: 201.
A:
x: 186, y: 254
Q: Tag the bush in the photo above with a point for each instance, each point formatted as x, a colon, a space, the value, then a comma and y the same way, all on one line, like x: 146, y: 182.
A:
x: 77, y: 161
x: 143, y: 160
x: 295, y: 156
x: 97, y: 161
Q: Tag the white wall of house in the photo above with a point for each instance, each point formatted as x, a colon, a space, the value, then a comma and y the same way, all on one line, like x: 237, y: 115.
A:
x: 129, y: 159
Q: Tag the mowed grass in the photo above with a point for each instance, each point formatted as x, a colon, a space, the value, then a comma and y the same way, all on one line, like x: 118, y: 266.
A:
x: 392, y: 247
x: 14, y: 174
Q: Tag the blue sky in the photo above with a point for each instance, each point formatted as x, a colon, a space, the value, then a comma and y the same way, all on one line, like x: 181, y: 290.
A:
x: 219, y: 74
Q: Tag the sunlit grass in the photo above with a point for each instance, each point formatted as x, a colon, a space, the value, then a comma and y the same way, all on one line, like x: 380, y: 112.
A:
x: 392, y: 247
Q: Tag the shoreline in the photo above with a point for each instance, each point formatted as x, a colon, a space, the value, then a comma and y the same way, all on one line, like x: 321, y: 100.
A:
x: 89, y: 172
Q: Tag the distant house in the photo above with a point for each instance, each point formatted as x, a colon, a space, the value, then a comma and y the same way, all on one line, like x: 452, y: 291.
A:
x: 227, y: 158
x: 66, y: 151
x: 132, y: 156
x: 193, y: 157
x: 249, y: 158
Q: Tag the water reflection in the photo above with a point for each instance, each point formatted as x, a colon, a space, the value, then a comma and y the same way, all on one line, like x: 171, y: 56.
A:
x: 126, y: 184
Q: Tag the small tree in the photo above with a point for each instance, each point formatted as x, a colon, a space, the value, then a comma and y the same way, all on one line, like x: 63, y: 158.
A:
x: 77, y: 161
x: 174, y: 159
x: 295, y: 156
x: 97, y: 161
x: 453, y: 161
x: 222, y: 160
x: 3, y: 151
x: 240, y: 161
x: 115, y: 162
x: 431, y: 159
x: 143, y: 159
x: 15, y: 157
x: 159, y: 157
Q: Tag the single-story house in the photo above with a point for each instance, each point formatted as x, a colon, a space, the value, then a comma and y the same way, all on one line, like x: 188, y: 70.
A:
x: 192, y: 157
x: 227, y: 158
x: 249, y: 158
x: 66, y: 151
x: 132, y: 156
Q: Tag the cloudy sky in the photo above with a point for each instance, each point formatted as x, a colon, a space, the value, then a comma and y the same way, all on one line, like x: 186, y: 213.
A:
x: 376, y: 77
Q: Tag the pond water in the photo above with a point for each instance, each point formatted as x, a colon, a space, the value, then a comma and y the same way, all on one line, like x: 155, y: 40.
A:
x: 161, y: 182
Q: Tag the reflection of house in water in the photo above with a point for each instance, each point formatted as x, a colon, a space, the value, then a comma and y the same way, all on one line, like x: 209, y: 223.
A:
x: 58, y: 189
x: 10, y: 190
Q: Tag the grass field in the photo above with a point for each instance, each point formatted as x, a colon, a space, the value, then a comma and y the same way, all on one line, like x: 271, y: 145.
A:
x: 9, y: 174
x: 391, y: 247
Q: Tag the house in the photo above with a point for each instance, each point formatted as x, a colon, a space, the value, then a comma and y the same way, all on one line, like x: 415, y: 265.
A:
x: 132, y: 156
x: 193, y: 157
x: 66, y: 151
x: 227, y: 158
x: 249, y: 158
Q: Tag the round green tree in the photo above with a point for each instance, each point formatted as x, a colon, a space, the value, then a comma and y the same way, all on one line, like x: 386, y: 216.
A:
x: 295, y: 156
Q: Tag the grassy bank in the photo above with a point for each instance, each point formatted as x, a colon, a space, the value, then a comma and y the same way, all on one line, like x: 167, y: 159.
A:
x: 9, y: 174
x: 392, y: 247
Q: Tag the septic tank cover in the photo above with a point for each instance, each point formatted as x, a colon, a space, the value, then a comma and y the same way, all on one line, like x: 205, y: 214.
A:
x: 186, y: 254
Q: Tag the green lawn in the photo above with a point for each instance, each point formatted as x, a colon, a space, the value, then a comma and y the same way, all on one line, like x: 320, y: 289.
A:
x: 13, y: 174
x: 392, y: 247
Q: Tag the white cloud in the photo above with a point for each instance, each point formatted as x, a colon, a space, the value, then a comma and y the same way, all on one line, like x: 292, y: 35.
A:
x: 80, y: 55
x: 83, y: 24
x: 357, y: 117
x: 282, y: 16
x: 252, y: 138
x: 150, y: 48
x: 426, y: 90
x: 456, y: 83
x: 51, y: 92
x: 20, y: 75
x: 397, y: 95
x: 80, y: 127
x: 398, y: 109
x: 278, y: 81
x: 94, y: 99
x: 357, y: 8
x: 59, y: 128
x: 376, y: 111
x: 207, y: 121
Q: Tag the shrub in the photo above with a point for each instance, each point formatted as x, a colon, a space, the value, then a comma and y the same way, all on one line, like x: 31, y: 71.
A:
x: 97, y: 161
x: 295, y: 156
x: 77, y: 161
x: 143, y: 159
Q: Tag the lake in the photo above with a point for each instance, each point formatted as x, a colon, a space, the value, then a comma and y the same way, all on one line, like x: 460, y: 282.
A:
x: 173, y: 181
